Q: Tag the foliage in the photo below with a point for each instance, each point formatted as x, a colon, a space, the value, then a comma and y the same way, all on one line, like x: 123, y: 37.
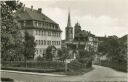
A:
x: 112, y: 47
x: 49, y: 56
x: 63, y: 54
x: 116, y: 51
x: 85, y: 57
x: 39, y: 58
x: 7, y: 80
x: 29, y: 46
x: 75, y: 65
x: 11, y: 38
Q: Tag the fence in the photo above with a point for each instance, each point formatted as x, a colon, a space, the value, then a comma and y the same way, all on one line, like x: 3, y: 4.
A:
x: 45, y: 65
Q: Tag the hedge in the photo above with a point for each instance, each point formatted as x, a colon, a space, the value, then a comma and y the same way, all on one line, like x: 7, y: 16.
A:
x: 40, y: 66
x: 120, y: 66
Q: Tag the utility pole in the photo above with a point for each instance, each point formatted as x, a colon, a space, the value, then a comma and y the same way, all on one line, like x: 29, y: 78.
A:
x: 66, y: 66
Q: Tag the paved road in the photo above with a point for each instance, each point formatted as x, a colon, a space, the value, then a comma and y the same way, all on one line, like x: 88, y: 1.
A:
x: 98, y: 74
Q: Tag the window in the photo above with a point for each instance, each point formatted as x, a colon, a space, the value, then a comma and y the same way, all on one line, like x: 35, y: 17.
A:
x: 39, y: 42
x: 36, y: 32
x: 36, y: 23
x: 39, y: 24
x: 56, y: 42
x: 40, y: 51
x: 59, y: 42
x: 55, y: 34
x: 39, y: 32
x: 47, y: 42
x: 42, y: 42
x: 42, y: 33
x: 52, y: 43
x: 59, y: 34
x: 48, y: 33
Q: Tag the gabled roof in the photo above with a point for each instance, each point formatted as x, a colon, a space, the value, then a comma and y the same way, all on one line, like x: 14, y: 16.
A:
x: 32, y: 14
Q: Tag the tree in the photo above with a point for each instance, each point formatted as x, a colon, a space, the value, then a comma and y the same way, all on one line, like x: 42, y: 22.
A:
x: 49, y: 56
x: 116, y: 52
x: 85, y: 57
x: 63, y: 54
x: 39, y: 58
x: 110, y: 46
x: 11, y: 39
x: 29, y: 46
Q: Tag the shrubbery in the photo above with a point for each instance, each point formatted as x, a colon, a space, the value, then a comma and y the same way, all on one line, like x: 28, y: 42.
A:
x: 77, y: 68
x: 120, y: 66
x: 75, y: 65
x: 7, y: 80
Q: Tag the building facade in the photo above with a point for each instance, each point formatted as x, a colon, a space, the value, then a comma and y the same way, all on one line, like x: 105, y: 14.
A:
x: 45, y: 31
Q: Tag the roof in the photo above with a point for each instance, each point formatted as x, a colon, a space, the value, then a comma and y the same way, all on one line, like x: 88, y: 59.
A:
x: 124, y: 38
x: 102, y: 38
x: 31, y: 14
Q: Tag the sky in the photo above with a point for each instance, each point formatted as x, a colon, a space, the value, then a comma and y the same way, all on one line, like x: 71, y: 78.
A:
x: 100, y: 17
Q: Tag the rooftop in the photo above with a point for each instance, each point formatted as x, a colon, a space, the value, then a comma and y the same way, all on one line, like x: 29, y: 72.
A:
x: 31, y: 14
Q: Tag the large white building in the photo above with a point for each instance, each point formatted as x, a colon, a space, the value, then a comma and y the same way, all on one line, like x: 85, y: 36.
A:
x: 46, y: 31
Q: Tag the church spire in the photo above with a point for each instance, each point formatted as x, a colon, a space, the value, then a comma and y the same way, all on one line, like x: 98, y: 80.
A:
x: 69, y: 20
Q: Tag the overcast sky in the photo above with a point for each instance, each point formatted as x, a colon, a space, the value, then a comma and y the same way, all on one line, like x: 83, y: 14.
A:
x: 101, y: 17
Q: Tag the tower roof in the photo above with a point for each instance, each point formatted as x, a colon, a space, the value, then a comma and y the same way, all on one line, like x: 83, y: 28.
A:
x: 69, y: 20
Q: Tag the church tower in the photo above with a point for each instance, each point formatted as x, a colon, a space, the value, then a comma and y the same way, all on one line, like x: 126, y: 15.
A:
x: 77, y: 30
x: 69, y: 30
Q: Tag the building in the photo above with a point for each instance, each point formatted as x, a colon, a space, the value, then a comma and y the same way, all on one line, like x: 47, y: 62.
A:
x: 45, y: 30
x: 69, y: 30
x: 82, y: 40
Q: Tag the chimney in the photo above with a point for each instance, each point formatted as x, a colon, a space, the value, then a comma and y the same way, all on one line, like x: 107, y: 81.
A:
x: 31, y: 7
x: 39, y: 10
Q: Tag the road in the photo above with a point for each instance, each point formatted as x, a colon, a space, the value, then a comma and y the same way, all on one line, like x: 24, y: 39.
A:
x: 98, y: 74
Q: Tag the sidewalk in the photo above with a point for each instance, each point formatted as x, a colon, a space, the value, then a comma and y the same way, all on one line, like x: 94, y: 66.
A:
x: 32, y: 73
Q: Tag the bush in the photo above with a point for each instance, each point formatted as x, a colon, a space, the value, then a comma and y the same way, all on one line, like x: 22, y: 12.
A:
x: 39, y: 58
x: 7, y: 80
x: 75, y: 65
x: 120, y: 66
